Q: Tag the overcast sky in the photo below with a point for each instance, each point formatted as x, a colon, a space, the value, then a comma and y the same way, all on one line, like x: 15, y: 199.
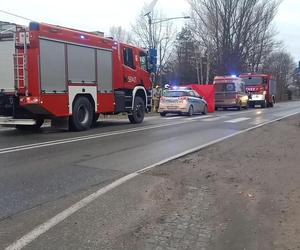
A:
x: 101, y: 14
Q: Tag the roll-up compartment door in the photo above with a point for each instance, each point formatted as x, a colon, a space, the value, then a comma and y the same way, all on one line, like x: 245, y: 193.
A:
x: 7, y: 51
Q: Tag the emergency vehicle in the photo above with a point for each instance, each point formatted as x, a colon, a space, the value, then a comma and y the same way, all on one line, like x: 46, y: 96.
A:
x: 261, y: 89
x: 69, y: 76
x: 230, y: 92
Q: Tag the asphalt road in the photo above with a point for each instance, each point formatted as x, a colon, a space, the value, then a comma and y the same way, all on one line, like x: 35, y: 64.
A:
x: 46, y: 172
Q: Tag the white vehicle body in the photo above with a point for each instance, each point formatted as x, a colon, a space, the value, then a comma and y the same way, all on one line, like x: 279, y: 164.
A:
x: 182, y: 102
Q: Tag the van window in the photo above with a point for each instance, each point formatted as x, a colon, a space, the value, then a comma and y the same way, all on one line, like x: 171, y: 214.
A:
x: 225, y: 87
x: 128, y: 57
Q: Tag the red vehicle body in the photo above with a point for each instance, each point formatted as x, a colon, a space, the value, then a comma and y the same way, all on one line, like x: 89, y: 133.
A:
x: 261, y: 89
x: 69, y: 76
x: 230, y: 92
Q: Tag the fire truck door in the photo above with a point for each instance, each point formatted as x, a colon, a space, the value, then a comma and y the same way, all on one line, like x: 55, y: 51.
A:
x: 144, y: 69
x: 129, y: 68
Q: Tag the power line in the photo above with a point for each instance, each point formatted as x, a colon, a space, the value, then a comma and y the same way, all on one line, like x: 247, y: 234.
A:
x: 15, y: 15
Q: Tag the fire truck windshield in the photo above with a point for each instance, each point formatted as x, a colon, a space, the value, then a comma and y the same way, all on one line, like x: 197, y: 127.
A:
x: 252, y: 81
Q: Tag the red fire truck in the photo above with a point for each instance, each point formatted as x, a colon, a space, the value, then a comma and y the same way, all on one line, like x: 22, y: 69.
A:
x: 69, y: 76
x: 261, y: 89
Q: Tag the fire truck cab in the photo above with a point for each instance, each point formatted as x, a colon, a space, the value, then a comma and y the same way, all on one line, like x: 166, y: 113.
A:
x: 261, y: 89
x: 69, y: 76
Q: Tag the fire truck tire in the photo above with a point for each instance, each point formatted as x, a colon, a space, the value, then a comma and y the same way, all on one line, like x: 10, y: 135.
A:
x: 138, y: 112
x: 36, y: 127
x: 163, y: 114
x: 264, y: 104
x: 83, y: 114
x: 95, y: 119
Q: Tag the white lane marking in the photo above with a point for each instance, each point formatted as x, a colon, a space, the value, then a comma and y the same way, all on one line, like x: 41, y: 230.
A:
x: 66, y: 213
x: 199, y: 117
x: 173, y: 117
x: 151, y: 118
x: 255, y: 122
x: 43, y: 228
x: 212, y: 119
x: 241, y: 119
x: 234, y: 112
x: 84, y: 138
x: 96, y: 136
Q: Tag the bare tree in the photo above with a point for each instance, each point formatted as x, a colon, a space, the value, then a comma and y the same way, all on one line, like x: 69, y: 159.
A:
x: 236, y: 33
x: 120, y: 34
x: 281, y: 65
x: 163, y: 35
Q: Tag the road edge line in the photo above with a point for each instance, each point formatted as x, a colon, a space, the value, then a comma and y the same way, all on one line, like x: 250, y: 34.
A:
x: 52, y: 222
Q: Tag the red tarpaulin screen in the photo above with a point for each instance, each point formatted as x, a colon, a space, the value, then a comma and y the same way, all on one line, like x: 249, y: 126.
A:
x: 208, y: 92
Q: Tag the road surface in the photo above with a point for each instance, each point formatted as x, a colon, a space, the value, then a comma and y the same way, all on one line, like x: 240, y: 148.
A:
x: 44, y: 173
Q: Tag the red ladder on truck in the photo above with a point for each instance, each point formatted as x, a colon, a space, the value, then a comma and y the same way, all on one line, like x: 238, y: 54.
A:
x: 20, y: 70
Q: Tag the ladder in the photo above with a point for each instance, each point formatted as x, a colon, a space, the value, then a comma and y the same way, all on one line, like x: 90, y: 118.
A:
x: 20, y: 71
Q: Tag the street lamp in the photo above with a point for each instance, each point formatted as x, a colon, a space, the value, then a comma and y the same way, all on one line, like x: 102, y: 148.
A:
x: 152, y: 49
x: 155, y: 21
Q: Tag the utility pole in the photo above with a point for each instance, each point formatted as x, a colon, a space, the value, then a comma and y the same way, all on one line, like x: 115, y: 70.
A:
x: 148, y: 14
x: 150, y: 30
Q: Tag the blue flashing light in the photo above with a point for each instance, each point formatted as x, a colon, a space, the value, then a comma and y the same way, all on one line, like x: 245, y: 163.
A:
x: 82, y: 36
x: 233, y: 76
x: 175, y: 87
x: 153, y: 60
x: 34, y: 26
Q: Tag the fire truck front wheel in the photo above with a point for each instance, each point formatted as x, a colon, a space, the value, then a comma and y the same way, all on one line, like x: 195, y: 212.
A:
x: 83, y: 114
x: 138, y: 112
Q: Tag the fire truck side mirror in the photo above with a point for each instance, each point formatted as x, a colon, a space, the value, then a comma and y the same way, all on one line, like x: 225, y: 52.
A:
x: 265, y: 81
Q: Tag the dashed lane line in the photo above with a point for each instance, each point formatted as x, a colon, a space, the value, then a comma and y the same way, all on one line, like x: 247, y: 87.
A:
x: 212, y: 119
x: 241, y: 119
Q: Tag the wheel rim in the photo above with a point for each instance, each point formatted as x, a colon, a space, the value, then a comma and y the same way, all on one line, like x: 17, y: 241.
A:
x: 138, y: 111
x: 83, y: 114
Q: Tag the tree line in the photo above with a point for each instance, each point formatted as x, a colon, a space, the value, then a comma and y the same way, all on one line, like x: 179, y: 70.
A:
x: 222, y: 37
